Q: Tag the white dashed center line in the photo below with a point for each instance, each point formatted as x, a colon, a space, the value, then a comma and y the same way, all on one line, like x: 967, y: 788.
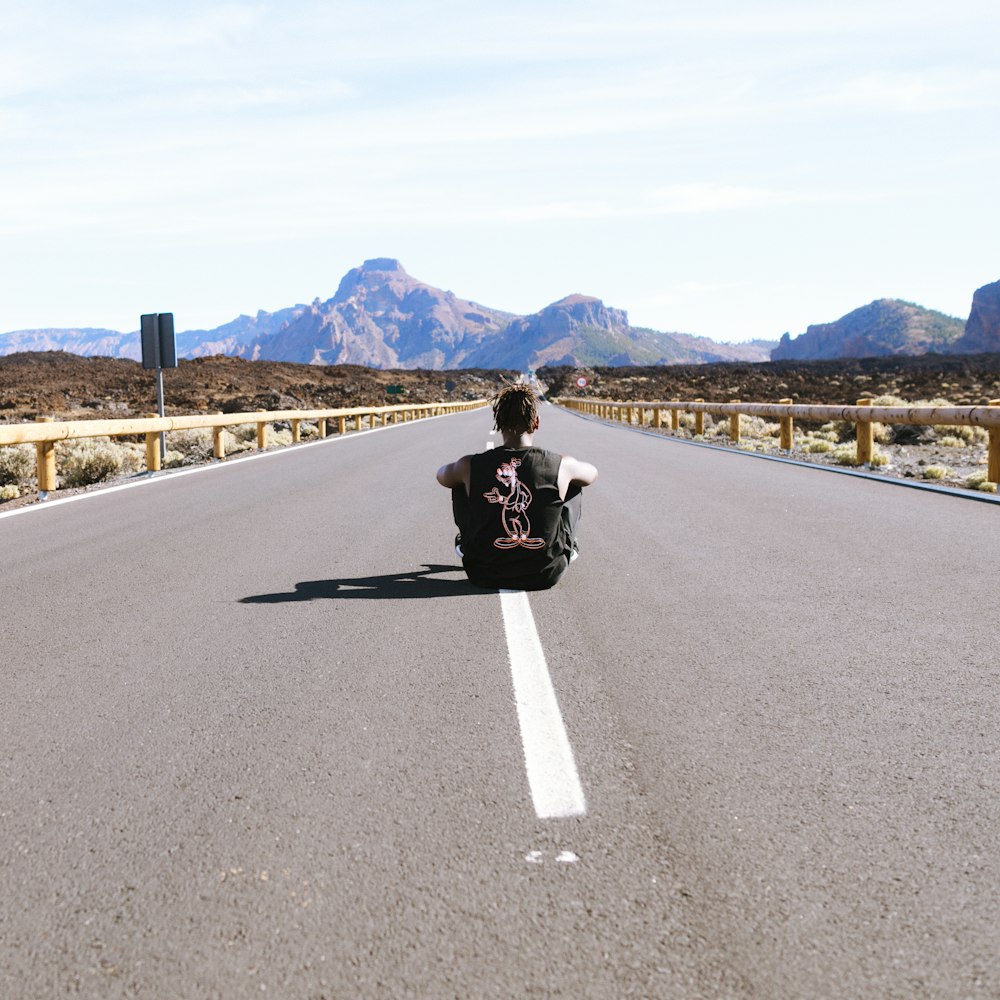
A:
x: 555, y: 785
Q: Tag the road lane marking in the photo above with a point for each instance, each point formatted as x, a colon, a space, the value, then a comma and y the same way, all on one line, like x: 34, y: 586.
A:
x: 556, y: 792
x: 562, y: 858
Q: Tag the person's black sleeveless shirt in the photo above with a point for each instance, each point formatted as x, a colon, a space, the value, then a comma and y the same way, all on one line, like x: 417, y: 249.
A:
x: 514, y: 536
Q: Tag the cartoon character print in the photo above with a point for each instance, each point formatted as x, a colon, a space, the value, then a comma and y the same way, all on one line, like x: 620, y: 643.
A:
x: 514, y: 513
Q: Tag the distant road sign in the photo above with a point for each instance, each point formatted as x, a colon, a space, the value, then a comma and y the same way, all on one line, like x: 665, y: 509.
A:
x: 581, y: 382
x: 394, y: 389
x: 158, y: 347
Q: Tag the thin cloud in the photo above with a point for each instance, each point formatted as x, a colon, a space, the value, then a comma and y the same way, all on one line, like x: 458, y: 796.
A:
x: 924, y: 92
x: 684, y: 199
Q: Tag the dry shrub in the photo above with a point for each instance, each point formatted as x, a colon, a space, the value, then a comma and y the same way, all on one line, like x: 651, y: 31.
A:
x: 246, y: 434
x: 279, y: 438
x: 969, y: 435
x: 10, y: 492
x: 231, y: 443
x: 936, y: 472
x: 195, y: 442
x: 962, y: 433
x: 846, y: 454
x: 93, y: 460
x: 17, y: 465
x: 978, y: 481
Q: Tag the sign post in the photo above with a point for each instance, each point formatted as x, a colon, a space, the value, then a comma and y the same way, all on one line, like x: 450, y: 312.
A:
x: 159, y: 351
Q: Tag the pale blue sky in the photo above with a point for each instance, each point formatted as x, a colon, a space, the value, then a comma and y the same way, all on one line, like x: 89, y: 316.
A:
x: 734, y: 170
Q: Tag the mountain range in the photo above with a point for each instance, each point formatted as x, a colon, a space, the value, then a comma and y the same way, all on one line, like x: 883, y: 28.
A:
x: 890, y: 326
x: 382, y: 317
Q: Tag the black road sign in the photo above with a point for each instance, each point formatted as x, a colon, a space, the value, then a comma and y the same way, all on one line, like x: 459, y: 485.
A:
x: 159, y: 350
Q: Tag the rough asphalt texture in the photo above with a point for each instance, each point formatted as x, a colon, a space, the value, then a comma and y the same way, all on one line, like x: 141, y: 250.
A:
x: 257, y: 736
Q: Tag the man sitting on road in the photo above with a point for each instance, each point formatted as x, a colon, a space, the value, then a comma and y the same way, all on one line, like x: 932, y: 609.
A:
x: 516, y: 506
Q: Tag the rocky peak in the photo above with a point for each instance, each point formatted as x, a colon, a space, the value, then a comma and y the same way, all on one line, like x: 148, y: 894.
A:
x: 583, y: 310
x: 381, y: 276
x: 982, y: 330
x: 382, y: 264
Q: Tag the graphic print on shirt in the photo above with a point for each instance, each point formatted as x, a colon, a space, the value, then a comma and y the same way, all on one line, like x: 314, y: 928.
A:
x: 514, y: 512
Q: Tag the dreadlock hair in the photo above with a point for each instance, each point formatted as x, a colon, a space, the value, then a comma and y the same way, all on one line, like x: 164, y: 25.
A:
x: 514, y: 408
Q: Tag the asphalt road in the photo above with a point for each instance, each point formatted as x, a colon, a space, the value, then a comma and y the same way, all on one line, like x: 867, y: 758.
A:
x: 258, y: 737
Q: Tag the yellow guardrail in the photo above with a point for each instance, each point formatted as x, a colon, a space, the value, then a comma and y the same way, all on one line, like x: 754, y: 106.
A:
x: 45, y: 432
x: 863, y: 415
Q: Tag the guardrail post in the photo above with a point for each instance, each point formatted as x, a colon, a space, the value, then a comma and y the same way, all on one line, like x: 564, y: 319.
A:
x: 153, y: 456
x: 675, y: 417
x: 699, y: 419
x: 321, y: 427
x: 633, y: 415
x: 341, y: 425
x: 993, y: 457
x: 866, y: 437
x: 261, y: 433
x: 787, y: 428
x: 45, y: 455
x: 734, y: 425
x: 657, y: 417
x: 218, y: 443
x: 296, y: 432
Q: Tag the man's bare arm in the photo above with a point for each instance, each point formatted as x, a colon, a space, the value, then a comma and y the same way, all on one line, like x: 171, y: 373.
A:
x: 455, y: 474
x: 573, y: 472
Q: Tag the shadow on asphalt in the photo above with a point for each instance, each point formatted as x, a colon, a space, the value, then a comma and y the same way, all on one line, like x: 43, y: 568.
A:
x: 392, y: 586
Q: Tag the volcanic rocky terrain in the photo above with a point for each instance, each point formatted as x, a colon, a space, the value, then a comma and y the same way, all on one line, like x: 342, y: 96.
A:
x: 53, y: 383
x: 67, y: 386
